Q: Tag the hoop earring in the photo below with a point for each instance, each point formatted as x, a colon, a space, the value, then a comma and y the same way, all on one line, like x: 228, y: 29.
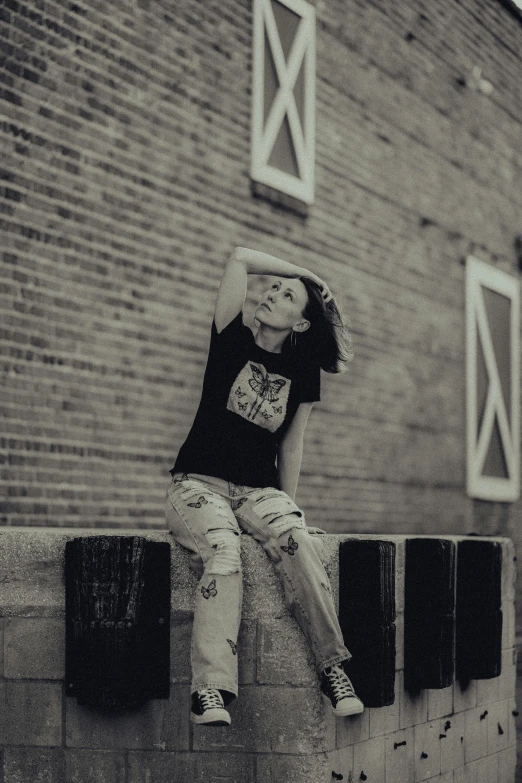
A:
x: 293, y: 339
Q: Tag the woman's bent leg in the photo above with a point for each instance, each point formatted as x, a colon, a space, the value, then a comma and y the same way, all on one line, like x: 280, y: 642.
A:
x: 202, y: 521
x: 273, y: 518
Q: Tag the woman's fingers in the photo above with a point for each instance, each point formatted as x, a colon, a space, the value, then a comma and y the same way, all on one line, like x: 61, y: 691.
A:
x: 325, y: 291
x: 327, y: 294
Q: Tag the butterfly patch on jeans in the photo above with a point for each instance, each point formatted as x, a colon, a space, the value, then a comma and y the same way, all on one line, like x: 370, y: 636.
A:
x: 292, y: 547
x: 233, y: 646
x: 201, y: 501
x: 209, y: 591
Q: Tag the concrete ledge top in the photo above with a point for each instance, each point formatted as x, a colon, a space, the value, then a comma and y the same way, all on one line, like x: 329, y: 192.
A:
x: 32, y: 565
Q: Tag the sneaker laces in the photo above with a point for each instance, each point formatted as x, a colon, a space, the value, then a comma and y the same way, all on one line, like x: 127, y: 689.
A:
x: 339, y: 683
x: 210, y: 698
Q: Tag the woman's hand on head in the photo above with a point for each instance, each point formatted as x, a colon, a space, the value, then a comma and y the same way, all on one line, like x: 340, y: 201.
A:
x: 325, y: 291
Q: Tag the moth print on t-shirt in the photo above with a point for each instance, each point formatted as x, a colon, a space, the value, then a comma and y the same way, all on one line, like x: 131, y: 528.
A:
x: 259, y: 396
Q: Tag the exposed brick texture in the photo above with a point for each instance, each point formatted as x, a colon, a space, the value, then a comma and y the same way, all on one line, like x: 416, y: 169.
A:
x: 125, y: 139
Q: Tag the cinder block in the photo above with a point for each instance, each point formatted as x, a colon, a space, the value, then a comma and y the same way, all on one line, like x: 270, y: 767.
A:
x: 160, y: 723
x: 34, y: 648
x: 508, y: 624
x: 400, y: 568
x: 440, y: 702
x: 2, y: 621
x: 476, y: 734
x: 508, y: 676
x: 353, y: 730
x: 488, y: 691
x: 340, y: 762
x: 314, y: 768
x: 426, y: 751
x: 246, y: 651
x: 498, y: 727
x: 507, y: 762
x: 95, y: 766
x: 384, y: 720
x: 34, y: 765
x: 483, y: 771
x: 369, y: 760
x: 263, y: 592
x: 464, y: 699
x: 399, y: 650
x: 274, y: 665
x: 277, y: 720
x: 180, y: 638
x: 412, y: 711
x: 509, y: 573
x: 452, y: 734
x: 512, y: 722
x: 31, y: 713
x: 399, y: 759
x: 165, y: 767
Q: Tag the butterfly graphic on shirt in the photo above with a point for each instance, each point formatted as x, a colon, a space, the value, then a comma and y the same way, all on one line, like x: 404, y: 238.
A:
x: 292, y: 547
x: 183, y: 478
x: 209, y: 591
x: 264, y: 388
x: 259, y: 396
x: 201, y: 501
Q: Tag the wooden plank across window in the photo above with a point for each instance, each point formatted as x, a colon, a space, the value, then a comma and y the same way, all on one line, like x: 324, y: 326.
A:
x: 283, y: 97
x: 492, y: 382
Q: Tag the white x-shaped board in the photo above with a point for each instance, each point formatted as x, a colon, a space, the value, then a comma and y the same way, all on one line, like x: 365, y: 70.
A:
x: 481, y: 429
x: 265, y: 129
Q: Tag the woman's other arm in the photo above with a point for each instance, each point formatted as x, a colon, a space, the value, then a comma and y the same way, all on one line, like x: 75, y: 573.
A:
x: 290, y: 451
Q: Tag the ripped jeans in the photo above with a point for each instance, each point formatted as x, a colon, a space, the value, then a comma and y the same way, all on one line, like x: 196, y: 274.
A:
x: 206, y: 515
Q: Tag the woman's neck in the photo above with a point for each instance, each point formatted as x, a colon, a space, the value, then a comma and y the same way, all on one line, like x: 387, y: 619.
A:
x: 270, y: 339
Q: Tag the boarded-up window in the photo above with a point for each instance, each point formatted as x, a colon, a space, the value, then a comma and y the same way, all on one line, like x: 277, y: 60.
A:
x: 492, y: 382
x: 283, y: 97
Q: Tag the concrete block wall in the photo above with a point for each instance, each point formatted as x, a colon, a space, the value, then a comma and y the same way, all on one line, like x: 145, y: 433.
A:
x: 281, y: 731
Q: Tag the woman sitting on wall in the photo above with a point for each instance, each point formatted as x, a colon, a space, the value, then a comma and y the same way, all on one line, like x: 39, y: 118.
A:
x: 238, y: 471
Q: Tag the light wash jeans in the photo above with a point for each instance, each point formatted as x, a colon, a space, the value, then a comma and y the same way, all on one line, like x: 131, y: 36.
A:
x: 206, y: 515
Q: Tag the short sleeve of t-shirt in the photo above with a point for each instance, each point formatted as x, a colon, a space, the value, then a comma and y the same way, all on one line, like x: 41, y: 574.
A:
x: 310, y: 382
x: 228, y: 336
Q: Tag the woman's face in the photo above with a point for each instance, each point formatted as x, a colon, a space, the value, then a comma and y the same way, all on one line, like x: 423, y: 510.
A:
x: 282, y: 304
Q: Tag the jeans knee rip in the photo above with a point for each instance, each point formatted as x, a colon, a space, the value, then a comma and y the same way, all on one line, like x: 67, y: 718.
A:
x: 287, y: 522
x: 276, y: 505
x: 226, y: 558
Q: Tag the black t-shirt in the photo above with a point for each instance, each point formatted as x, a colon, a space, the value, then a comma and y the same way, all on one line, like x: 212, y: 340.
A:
x: 248, y: 401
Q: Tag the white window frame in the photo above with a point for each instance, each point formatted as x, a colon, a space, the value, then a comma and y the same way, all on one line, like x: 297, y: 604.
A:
x: 480, y: 274
x: 265, y: 136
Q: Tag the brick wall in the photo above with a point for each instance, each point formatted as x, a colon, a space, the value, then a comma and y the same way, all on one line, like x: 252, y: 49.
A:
x: 125, y: 138
x: 125, y: 155
x: 281, y: 731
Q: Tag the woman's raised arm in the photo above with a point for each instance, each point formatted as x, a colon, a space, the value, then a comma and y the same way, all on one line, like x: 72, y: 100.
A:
x: 242, y: 262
